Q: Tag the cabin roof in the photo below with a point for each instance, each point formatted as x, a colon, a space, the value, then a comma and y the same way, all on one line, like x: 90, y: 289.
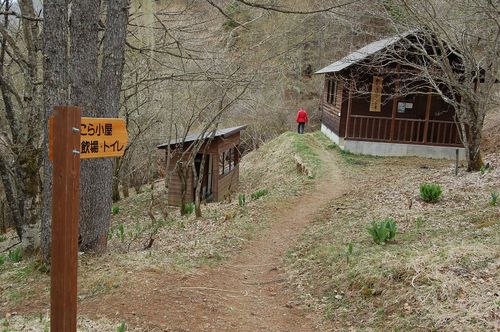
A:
x: 223, y: 133
x: 362, y: 54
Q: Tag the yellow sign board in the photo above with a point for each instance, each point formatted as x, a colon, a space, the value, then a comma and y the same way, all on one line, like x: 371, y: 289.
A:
x: 99, y: 137
x: 376, y: 97
x: 102, y: 137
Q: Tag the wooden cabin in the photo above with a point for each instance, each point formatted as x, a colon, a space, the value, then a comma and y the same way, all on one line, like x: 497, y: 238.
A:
x: 364, y: 108
x: 221, y: 167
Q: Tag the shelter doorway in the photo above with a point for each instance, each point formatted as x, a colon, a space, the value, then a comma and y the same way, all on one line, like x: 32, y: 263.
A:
x: 206, y: 185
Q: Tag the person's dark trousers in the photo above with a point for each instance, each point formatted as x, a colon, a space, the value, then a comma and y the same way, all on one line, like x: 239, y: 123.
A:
x: 300, y: 128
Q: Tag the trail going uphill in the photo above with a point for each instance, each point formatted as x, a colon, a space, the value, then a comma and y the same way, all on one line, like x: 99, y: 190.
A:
x: 248, y: 292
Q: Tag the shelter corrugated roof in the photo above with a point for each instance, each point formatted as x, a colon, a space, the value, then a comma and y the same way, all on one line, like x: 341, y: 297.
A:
x: 361, y: 54
x: 197, y: 136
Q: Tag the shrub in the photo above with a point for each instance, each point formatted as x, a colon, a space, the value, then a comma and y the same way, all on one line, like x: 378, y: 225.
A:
x: 382, y: 231
x: 241, y: 200
x: 349, y: 251
x: 430, y: 192
x: 188, y: 208
x: 15, y: 255
x: 2, y: 259
x: 259, y: 193
x: 494, y: 198
x: 485, y: 169
x: 120, y: 232
x: 3, y: 238
x: 121, y: 327
x: 115, y: 210
x: 419, y: 222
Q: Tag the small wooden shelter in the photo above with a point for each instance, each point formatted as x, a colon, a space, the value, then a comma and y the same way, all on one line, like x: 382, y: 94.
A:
x: 221, y: 167
x: 364, y: 110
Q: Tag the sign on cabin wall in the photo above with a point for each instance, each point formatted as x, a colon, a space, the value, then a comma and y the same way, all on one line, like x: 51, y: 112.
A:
x: 99, y: 137
x: 376, y: 97
x: 403, y: 106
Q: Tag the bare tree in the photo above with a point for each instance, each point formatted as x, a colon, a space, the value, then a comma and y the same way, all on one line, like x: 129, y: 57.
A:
x: 55, y: 92
x: 19, y: 142
x: 97, y: 175
x: 97, y: 95
x: 456, y: 55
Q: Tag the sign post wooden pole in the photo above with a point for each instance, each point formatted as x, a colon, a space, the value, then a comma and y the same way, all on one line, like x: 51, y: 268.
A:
x: 72, y: 138
x: 65, y: 216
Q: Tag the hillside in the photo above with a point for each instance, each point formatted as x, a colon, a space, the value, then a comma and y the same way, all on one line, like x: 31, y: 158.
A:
x: 282, y: 261
x: 182, y: 247
x: 440, y: 273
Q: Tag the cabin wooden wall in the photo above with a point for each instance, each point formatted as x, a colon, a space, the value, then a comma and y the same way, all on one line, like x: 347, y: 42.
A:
x: 331, y: 114
x: 222, y: 184
x: 174, y: 189
x: 408, y: 125
x: 227, y: 183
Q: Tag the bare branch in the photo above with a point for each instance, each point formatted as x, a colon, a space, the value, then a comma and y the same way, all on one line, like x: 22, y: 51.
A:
x: 20, y: 16
x: 289, y: 11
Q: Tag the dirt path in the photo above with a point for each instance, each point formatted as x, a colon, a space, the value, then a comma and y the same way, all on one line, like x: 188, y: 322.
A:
x: 246, y: 293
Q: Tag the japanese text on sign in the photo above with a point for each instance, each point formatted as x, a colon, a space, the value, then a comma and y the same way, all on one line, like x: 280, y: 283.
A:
x: 101, y: 137
x: 97, y: 129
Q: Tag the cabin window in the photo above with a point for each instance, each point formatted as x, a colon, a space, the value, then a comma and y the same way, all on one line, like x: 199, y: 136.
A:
x: 228, y: 163
x: 228, y: 160
x: 222, y: 158
x: 331, y: 93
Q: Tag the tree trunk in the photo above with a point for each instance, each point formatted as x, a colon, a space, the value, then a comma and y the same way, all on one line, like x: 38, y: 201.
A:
x: 96, y: 181
x: 199, y: 183
x: 55, y: 92
x: 5, y: 176
x: 3, y: 222
x: 473, y: 151
x: 19, y: 168
x: 84, y: 22
x: 116, y: 181
x: 471, y: 121
x: 11, y: 198
x: 116, y: 190
x: 125, y: 187
x: 182, y: 171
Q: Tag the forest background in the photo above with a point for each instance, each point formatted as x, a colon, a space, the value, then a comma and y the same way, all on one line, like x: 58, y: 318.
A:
x: 179, y: 66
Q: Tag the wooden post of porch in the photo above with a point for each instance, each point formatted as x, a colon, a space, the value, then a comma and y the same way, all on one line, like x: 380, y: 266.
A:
x: 427, y: 115
x: 349, y: 106
x: 394, y: 107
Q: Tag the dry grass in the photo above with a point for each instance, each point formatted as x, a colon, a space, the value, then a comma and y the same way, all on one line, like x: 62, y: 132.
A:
x: 181, y: 243
x: 491, y: 139
x: 184, y: 242
x: 441, y: 273
x: 41, y: 323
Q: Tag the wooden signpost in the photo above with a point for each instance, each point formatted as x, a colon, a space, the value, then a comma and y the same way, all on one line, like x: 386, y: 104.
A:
x: 99, y: 137
x: 70, y: 139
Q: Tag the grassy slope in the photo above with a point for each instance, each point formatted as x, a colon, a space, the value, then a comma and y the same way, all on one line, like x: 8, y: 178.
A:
x: 441, y: 273
x: 181, y: 242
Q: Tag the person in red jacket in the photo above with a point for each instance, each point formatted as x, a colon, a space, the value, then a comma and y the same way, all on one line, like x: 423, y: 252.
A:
x: 301, y: 120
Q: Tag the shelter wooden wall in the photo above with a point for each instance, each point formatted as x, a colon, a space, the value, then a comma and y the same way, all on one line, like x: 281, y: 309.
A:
x: 223, y: 185
x: 331, y: 115
x: 226, y: 184
x: 174, y: 189
x: 389, y: 124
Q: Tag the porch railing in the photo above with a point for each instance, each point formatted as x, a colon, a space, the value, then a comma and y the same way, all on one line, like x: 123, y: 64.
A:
x: 383, y: 129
